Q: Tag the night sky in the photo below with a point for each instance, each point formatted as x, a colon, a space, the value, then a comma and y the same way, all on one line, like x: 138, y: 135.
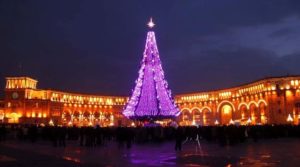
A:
x: 96, y: 46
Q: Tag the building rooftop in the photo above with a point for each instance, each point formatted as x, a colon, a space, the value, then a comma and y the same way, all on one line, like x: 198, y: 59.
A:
x: 243, y: 84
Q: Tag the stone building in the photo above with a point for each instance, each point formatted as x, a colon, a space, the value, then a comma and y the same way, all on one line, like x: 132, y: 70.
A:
x: 268, y: 101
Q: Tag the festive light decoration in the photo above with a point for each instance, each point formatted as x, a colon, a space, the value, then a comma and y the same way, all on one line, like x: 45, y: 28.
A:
x: 249, y: 121
x: 150, y: 23
x: 51, y: 123
x: 151, y: 99
x: 70, y: 123
x: 194, y: 123
x: 289, y: 118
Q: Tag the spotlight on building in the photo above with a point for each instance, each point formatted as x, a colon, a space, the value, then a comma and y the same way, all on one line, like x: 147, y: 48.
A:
x: 51, y: 123
x: 249, y: 121
x: 289, y: 118
x: 70, y: 123
x: 231, y: 122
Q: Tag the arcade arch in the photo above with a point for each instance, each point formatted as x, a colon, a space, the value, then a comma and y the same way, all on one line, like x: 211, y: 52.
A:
x: 226, y: 110
x: 187, y: 117
x: 67, y: 116
x: 208, y: 117
x: 255, y: 115
x: 262, y: 106
x: 197, y: 116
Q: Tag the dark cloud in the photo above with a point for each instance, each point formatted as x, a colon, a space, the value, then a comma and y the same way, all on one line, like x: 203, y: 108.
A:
x: 290, y: 63
x: 282, y: 32
x: 223, y: 69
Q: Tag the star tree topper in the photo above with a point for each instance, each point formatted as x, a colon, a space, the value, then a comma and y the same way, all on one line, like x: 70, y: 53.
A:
x: 151, y: 23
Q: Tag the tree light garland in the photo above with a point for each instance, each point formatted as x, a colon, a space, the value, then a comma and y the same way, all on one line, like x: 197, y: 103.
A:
x: 151, y: 99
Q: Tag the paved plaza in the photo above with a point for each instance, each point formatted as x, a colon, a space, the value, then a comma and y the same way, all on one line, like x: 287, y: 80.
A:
x: 273, y: 152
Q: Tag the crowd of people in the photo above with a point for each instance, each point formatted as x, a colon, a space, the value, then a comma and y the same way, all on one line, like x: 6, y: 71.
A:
x: 125, y: 136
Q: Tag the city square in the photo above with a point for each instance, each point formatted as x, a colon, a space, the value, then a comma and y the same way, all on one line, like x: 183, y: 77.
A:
x: 150, y: 84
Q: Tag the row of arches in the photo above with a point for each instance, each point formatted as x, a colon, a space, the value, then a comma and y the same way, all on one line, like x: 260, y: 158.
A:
x: 253, y: 112
x: 87, y: 117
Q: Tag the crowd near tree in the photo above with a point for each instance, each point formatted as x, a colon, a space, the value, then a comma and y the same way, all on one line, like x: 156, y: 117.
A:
x: 60, y: 136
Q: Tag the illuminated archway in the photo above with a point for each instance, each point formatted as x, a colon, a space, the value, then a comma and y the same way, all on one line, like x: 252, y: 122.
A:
x: 208, y: 118
x: 242, y: 104
x: 252, y: 103
x: 76, y: 117
x: 96, y: 117
x: 255, y: 115
x: 97, y: 114
x: 238, y: 115
x: 262, y: 101
x: 67, y: 116
x: 263, y: 112
x: 225, y: 110
x: 206, y: 107
x: 2, y: 116
x: 245, y: 114
x: 86, y: 117
x: 225, y: 102
x: 197, y: 116
x: 13, y: 117
x: 226, y: 113
x: 186, y: 116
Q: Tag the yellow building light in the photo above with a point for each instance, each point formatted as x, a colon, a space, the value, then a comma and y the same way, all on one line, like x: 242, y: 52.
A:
x: 70, y: 123
x: 288, y: 93
x: 273, y: 87
x: 28, y: 115
x: 226, y: 109
x: 292, y: 82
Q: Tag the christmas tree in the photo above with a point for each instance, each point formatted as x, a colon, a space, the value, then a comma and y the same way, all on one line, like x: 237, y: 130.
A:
x: 151, y: 99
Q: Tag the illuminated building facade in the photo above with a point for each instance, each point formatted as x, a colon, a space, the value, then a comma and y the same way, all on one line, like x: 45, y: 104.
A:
x: 267, y: 101
x: 1, y: 111
x: 24, y: 103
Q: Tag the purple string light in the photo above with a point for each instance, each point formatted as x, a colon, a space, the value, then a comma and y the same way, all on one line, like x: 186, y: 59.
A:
x: 151, y: 98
